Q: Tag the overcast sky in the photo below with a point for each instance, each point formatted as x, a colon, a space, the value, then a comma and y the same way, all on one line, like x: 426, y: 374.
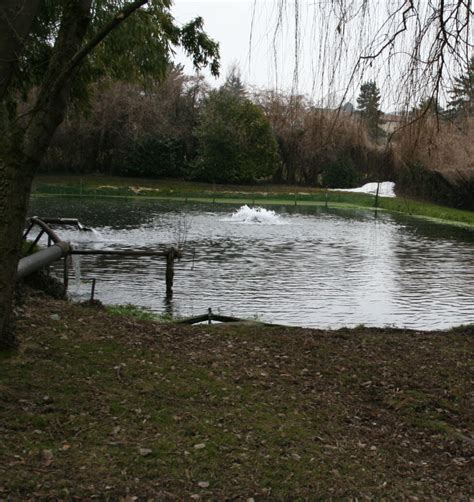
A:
x: 230, y: 23
x: 259, y: 37
x: 267, y: 52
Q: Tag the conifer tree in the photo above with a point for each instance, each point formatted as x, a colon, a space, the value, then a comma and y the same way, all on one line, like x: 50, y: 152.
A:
x: 233, y: 83
x: 428, y: 106
x: 462, y: 93
x: 368, y: 105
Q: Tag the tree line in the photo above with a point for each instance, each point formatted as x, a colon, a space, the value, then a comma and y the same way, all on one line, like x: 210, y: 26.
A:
x: 180, y: 127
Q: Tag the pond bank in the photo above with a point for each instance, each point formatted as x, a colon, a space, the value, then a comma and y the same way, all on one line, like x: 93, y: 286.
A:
x: 173, y: 190
x: 92, y: 407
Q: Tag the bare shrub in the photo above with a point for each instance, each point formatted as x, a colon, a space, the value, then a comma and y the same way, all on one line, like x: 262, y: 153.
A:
x: 442, y: 146
x: 437, y: 159
x: 311, y: 139
x: 121, y: 115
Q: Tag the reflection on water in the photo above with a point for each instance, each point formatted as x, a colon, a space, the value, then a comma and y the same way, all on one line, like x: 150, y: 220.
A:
x: 301, y: 266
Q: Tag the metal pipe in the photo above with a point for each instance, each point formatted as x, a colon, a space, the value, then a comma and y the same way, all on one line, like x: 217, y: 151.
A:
x: 25, y: 235
x: 118, y: 252
x: 38, y: 260
x: 49, y: 231
x: 74, y: 222
x: 33, y: 244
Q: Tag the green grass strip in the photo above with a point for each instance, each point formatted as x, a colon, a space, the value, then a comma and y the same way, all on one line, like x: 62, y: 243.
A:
x: 182, y: 191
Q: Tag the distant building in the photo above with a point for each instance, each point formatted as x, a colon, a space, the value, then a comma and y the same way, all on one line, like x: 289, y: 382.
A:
x: 348, y: 108
x: 391, y: 122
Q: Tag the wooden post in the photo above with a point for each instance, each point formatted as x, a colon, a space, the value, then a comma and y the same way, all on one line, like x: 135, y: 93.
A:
x: 377, y: 194
x: 93, y: 290
x: 170, y: 255
x: 66, y: 272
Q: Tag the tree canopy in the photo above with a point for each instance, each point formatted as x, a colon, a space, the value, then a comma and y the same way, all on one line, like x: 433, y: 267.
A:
x: 236, y: 142
x: 138, y: 49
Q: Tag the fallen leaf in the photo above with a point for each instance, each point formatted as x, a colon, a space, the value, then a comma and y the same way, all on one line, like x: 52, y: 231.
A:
x: 48, y: 457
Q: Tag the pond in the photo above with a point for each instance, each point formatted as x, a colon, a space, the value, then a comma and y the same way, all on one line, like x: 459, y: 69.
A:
x: 299, y: 266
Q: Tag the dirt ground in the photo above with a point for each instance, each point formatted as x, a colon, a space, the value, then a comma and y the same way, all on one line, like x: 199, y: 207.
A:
x: 95, y: 406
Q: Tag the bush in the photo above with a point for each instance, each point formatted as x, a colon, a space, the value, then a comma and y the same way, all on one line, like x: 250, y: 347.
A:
x: 341, y: 174
x: 416, y: 181
x: 437, y: 161
x: 236, y: 142
x: 154, y: 158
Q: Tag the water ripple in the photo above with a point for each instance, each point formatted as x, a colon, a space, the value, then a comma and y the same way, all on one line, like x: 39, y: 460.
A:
x: 321, y: 268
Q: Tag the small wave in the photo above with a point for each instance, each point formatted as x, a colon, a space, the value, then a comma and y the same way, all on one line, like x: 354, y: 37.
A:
x: 259, y: 215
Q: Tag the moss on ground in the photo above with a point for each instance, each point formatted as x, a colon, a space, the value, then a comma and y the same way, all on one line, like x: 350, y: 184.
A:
x: 99, y: 406
x: 135, y: 311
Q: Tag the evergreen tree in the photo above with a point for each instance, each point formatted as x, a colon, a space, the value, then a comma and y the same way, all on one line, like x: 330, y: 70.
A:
x: 236, y: 141
x: 233, y: 83
x: 462, y: 93
x: 368, y: 105
x: 428, y: 106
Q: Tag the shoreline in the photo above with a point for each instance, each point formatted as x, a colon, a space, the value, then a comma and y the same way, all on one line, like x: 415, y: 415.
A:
x: 175, y: 191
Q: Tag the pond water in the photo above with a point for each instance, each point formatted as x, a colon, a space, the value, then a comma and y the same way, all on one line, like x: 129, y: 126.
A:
x: 300, y: 266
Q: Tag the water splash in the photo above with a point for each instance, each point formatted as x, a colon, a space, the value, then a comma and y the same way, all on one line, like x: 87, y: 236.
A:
x: 76, y: 266
x: 78, y: 236
x: 259, y: 215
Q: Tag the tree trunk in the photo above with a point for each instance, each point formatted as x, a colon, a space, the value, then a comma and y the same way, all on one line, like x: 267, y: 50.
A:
x: 15, y: 186
x: 22, y: 149
x: 16, y: 18
x: 21, y: 154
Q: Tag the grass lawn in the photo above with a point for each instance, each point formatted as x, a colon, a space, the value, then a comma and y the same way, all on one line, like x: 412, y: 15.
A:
x: 95, y: 405
x: 107, y: 186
